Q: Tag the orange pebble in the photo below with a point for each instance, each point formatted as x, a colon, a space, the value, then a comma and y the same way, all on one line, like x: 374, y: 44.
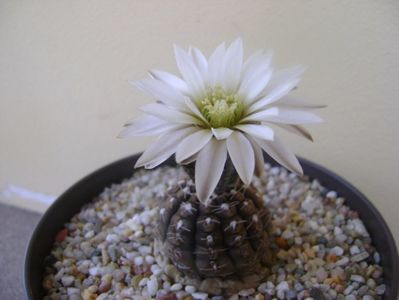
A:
x: 331, y: 258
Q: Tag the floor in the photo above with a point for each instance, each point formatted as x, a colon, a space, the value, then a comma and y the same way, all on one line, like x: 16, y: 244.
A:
x: 16, y: 226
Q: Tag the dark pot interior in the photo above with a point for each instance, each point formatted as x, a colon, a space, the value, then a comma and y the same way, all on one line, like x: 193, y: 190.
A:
x: 71, y: 201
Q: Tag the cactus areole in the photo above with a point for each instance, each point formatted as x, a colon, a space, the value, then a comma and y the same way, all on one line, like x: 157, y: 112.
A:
x: 217, y: 118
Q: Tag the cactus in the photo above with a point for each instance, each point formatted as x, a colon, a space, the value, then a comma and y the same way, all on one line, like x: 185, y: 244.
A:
x: 225, y: 239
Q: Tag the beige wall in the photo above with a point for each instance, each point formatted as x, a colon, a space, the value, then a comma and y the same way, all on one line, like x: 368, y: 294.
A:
x: 64, y: 67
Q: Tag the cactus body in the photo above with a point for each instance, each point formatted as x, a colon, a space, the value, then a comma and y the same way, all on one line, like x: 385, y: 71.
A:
x: 227, y: 239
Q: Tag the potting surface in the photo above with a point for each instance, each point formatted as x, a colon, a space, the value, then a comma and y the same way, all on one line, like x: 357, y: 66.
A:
x: 323, y: 247
x: 16, y: 226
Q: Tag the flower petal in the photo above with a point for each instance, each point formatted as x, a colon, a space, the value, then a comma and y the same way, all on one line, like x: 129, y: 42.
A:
x: 209, y: 168
x: 295, y: 102
x: 285, y: 75
x: 200, y: 61
x: 216, y: 66
x: 278, y: 92
x: 161, y: 91
x: 297, y: 129
x: 163, y: 148
x: 281, y: 154
x: 233, y: 66
x: 259, y: 159
x: 259, y: 131
x: 256, y: 63
x: 192, y: 144
x: 261, y: 115
x: 221, y: 133
x: 189, y: 71
x: 292, y: 116
x: 190, y: 159
x: 171, y: 80
x: 242, y: 155
x: 253, y: 88
x: 167, y: 113
x: 194, y: 109
x: 146, y: 126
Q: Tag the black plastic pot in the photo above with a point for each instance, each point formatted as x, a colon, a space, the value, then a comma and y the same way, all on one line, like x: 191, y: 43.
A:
x: 70, y: 203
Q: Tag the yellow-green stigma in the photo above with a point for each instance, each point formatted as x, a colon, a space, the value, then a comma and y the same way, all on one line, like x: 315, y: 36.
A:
x: 221, y: 109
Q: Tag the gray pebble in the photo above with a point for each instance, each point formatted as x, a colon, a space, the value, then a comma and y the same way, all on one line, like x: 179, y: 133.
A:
x: 380, y: 290
x: 357, y: 278
x: 67, y: 280
x: 359, y: 257
x: 200, y: 296
x: 247, y: 292
x: 176, y: 287
x: 354, y: 250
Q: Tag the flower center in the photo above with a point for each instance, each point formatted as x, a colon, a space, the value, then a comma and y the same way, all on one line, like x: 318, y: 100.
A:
x: 221, y: 109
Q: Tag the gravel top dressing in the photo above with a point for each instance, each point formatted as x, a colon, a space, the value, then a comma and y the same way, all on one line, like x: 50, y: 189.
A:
x: 323, y: 250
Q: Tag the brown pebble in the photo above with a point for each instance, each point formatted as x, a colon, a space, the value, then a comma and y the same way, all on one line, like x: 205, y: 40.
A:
x: 88, y: 295
x: 339, y: 288
x: 142, y: 270
x: 332, y: 280
x: 310, y: 253
x: 282, y: 243
x: 61, y: 235
x: 104, y: 286
x: 104, y: 256
x: 170, y: 296
x: 47, y: 283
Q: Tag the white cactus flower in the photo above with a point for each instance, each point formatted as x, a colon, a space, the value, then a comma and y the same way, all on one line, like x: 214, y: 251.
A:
x: 221, y: 106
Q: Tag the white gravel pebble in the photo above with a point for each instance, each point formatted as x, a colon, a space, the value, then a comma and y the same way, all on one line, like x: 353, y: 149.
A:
x: 331, y: 194
x: 155, y: 269
x: 360, y: 228
x: 94, y: 271
x: 380, y: 290
x: 282, y: 286
x: 247, y: 292
x: 190, y: 289
x: 149, y: 259
x: 152, y: 285
x: 200, y: 296
x: 138, y: 260
x: 343, y: 261
x: 338, y: 251
x: 287, y: 234
x: 176, y: 287
x: 67, y: 280
x: 354, y: 250
x: 73, y: 291
x: 112, y: 238
x: 357, y: 278
x: 144, y: 250
x: 143, y: 281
